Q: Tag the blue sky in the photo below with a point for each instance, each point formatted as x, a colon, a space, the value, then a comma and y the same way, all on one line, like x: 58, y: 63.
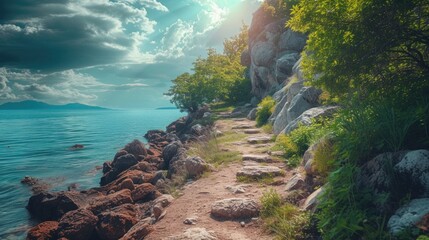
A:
x: 112, y: 53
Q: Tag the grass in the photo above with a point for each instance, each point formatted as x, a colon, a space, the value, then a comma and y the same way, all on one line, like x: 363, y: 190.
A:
x: 266, y: 180
x: 221, y: 107
x: 285, y: 220
x: 267, y: 128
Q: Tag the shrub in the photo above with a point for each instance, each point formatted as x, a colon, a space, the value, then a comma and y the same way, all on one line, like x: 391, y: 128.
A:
x: 324, y: 158
x: 283, y: 219
x: 265, y: 109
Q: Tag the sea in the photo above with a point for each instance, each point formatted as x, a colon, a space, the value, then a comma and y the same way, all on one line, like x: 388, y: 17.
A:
x: 37, y: 143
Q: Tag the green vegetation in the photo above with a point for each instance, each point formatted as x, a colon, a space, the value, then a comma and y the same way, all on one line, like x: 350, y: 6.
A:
x: 371, y: 57
x: 265, y: 109
x: 219, y: 77
x: 284, y: 219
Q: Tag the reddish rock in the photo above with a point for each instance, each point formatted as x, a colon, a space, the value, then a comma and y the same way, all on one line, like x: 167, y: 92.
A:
x: 143, y: 166
x: 124, y: 162
x: 135, y: 175
x: 121, y: 153
x: 43, y: 231
x: 114, y: 224
x: 101, y: 204
x: 153, y: 152
x: 127, y: 184
x: 77, y: 225
x: 138, y: 231
x: 52, y: 206
x: 136, y: 148
x: 142, y: 191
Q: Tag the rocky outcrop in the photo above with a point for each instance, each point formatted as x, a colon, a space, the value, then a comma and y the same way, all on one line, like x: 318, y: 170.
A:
x: 308, y: 117
x: 77, y: 225
x: 235, y: 208
x: 414, y: 168
x: 115, y: 223
x: 44, y: 231
x: 273, y: 51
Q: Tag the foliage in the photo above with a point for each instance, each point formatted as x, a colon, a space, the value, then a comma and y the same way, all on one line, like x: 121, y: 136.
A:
x: 324, y: 157
x: 218, y: 77
x: 283, y: 219
x: 265, y: 109
x: 267, y: 128
x: 278, y: 8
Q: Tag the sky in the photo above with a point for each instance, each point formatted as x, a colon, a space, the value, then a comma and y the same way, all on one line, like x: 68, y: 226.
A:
x: 110, y: 53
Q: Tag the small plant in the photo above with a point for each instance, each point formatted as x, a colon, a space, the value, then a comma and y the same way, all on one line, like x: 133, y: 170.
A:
x: 267, y: 128
x: 265, y: 109
x: 324, y: 159
x: 283, y: 219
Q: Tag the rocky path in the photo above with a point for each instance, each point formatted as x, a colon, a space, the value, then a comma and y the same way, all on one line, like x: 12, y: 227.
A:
x: 192, y: 215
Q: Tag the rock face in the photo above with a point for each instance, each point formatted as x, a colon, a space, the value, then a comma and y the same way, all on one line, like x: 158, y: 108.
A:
x: 235, y: 208
x: 307, y: 117
x: 77, y: 225
x: 408, y: 215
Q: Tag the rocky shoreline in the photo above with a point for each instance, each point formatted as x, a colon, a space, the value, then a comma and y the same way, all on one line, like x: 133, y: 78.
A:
x: 133, y: 192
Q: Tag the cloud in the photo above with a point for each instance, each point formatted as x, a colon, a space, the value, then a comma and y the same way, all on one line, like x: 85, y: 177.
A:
x: 50, y: 36
x: 154, y: 5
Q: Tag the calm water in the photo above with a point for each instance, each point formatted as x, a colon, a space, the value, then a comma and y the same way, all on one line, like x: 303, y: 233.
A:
x: 35, y: 143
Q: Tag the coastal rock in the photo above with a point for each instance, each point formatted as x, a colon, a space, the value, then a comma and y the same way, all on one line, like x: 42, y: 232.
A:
x: 101, y: 204
x: 52, y: 206
x: 138, y: 231
x: 124, y: 162
x: 77, y: 225
x: 141, y: 191
x: 195, y: 166
x: 137, y: 149
x: 170, y: 151
x: 408, y: 215
x: 107, y: 167
x: 43, y: 231
x: 256, y: 171
x: 235, y: 208
x: 115, y: 223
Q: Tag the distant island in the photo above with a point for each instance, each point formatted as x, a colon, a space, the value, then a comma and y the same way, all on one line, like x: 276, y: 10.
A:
x: 166, y: 108
x: 30, y: 105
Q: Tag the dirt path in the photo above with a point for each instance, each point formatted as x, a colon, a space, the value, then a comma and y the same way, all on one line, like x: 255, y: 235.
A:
x: 197, y: 197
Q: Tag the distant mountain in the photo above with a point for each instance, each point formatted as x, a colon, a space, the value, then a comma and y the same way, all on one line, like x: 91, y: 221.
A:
x: 30, y: 104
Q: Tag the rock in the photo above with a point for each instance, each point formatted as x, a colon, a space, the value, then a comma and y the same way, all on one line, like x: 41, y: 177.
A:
x: 252, y: 114
x: 141, y: 191
x: 101, y: 204
x: 237, y: 189
x: 124, y: 162
x: 197, y: 129
x: 77, y: 225
x: 256, y: 172
x: 207, y: 115
x: 423, y: 224
x: 245, y: 58
x: 307, y: 117
x: 235, y: 208
x: 127, y: 184
x: 263, y: 53
x: 115, y: 223
x: 107, y: 167
x: 37, y: 185
x: 285, y: 64
x: 256, y: 140
x: 52, y: 206
x: 313, y: 200
x: 43, y: 231
x: 190, y: 221
x: 136, y: 148
x: 170, y: 151
x: 414, y: 167
x: 242, y: 224
x: 243, y: 126
x: 295, y: 183
x: 252, y: 131
x: 138, y: 232
x: 307, y: 98
x: 76, y: 147
x: 281, y: 120
x: 194, y: 234
x: 292, y: 41
x: 408, y: 215
x: 257, y: 158
x: 277, y: 109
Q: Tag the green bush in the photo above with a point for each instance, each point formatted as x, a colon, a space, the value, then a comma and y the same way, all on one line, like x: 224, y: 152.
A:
x: 324, y: 157
x: 285, y: 220
x: 265, y: 109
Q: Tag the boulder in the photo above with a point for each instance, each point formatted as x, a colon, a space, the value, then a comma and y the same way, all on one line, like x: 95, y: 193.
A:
x: 291, y: 41
x: 263, y: 53
x: 124, y: 162
x: 408, y: 215
x: 414, y: 167
x: 312, y: 201
x: 136, y: 148
x: 284, y: 65
x: 115, y: 223
x: 295, y: 183
x: 141, y: 191
x: 235, y: 208
x: 256, y: 172
x: 307, y: 117
x: 277, y: 109
x: 252, y: 114
x: 101, y: 204
x: 281, y: 119
x: 77, y: 225
x: 52, y: 206
x: 170, y: 151
x: 43, y: 231
x: 195, y: 166
x: 245, y: 58
x: 307, y: 98
x: 138, y: 231
x: 197, y: 129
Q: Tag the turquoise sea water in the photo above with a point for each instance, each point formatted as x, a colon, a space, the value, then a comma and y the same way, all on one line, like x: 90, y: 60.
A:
x: 36, y: 143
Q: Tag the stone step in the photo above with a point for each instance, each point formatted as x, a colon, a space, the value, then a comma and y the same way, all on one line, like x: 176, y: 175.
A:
x: 257, y: 158
x: 243, y: 126
x: 239, y: 119
x: 256, y: 140
x: 252, y: 131
x: 258, y: 171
